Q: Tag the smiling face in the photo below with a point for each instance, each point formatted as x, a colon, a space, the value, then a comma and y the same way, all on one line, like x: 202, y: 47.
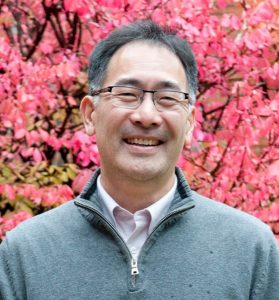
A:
x: 140, y: 144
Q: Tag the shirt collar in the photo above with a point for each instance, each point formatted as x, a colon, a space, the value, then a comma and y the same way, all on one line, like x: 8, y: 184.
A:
x: 107, y: 203
x: 157, y: 210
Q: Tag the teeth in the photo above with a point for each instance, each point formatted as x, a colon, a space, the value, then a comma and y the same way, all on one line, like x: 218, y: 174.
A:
x: 144, y: 142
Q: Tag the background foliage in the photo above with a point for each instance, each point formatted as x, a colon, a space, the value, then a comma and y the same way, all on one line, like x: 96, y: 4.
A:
x: 45, y: 156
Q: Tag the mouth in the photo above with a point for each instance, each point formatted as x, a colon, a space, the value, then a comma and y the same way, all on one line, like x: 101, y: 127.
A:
x: 143, y: 142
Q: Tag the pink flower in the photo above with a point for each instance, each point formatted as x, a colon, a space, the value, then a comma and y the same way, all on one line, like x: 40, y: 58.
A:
x: 8, y: 223
x: 81, y: 179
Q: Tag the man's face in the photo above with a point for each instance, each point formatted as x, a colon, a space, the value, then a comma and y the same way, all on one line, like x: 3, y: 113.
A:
x: 141, y: 144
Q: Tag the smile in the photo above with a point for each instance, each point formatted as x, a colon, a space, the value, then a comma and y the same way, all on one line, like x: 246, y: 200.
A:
x: 142, y: 142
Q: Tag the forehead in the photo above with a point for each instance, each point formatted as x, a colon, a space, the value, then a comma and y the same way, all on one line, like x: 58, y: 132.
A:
x: 145, y: 65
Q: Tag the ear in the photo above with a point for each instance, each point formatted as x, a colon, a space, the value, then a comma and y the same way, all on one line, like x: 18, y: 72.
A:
x: 190, y: 127
x: 87, y: 110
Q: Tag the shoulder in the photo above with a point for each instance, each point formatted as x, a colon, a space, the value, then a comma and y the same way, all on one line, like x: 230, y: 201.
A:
x: 233, y: 232
x: 242, y: 243
x: 52, y: 222
x: 220, y: 217
x: 220, y: 211
x: 57, y: 215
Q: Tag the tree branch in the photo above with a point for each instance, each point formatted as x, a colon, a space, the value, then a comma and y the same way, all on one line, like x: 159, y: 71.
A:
x: 40, y: 32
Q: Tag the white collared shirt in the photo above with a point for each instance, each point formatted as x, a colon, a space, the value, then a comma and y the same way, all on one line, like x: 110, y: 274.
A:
x: 134, y: 228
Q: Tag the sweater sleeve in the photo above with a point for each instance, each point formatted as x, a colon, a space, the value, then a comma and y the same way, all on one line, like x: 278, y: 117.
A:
x: 7, y: 288
x: 267, y: 286
x: 6, y: 283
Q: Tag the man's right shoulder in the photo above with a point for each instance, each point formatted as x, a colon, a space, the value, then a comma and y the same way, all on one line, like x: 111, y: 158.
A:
x: 54, y: 220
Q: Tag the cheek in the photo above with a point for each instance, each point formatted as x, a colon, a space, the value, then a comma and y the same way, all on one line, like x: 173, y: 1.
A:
x: 183, y: 130
x: 106, y: 128
x: 179, y: 124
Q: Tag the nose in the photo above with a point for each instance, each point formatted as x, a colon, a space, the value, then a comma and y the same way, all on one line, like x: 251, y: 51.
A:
x: 146, y: 115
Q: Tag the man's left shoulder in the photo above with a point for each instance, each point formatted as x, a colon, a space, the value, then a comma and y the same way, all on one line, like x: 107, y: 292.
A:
x: 228, y: 219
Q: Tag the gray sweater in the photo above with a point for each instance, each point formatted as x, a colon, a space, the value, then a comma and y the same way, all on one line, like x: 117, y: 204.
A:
x: 202, y: 250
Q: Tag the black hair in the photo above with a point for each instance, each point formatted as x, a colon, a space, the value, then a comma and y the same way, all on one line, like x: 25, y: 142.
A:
x: 148, y: 31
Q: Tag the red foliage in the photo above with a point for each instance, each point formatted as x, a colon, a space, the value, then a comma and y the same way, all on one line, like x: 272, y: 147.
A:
x: 7, y: 224
x: 44, y: 46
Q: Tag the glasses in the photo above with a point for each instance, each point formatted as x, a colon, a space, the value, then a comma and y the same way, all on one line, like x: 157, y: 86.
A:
x: 132, y: 97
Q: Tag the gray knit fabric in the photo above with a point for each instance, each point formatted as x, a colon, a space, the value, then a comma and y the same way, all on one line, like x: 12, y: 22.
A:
x: 201, y: 250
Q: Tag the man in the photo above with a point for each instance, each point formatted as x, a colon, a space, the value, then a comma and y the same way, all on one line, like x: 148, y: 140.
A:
x: 137, y: 231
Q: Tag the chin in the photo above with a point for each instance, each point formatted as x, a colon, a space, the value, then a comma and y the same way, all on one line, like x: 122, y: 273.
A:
x: 142, y: 172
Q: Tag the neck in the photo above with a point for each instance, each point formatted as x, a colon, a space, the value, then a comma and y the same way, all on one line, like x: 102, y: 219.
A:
x: 135, y: 195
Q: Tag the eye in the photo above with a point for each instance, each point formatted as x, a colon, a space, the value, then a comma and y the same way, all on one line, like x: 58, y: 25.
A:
x: 166, y: 100
x: 126, y: 96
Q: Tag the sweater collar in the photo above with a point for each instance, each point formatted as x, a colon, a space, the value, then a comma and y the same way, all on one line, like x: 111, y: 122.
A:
x: 182, y: 198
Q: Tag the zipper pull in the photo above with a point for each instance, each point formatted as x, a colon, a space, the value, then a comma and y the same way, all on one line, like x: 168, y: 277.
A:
x: 134, y: 267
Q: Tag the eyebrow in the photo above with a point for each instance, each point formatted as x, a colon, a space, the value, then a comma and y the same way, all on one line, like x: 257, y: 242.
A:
x: 137, y: 83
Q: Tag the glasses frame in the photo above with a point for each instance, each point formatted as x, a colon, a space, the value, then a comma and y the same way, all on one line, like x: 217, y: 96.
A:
x: 109, y: 90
